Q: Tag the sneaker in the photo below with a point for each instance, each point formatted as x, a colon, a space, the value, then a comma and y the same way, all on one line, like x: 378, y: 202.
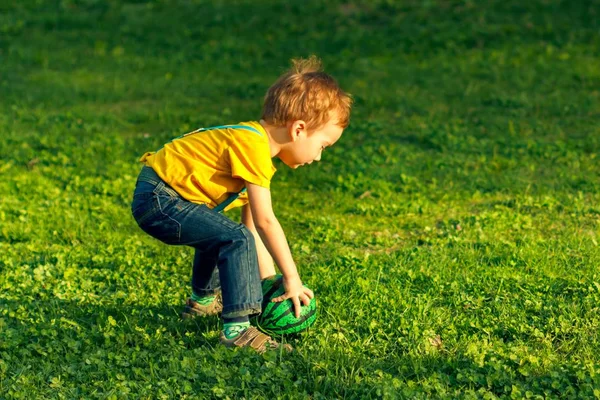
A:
x: 254, y: 338
x: 194, y: 309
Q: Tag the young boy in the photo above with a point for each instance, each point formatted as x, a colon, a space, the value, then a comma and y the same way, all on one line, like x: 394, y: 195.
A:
x: 183, y: 187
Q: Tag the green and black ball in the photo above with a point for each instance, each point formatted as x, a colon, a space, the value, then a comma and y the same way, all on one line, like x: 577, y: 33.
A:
x: 278, y: 318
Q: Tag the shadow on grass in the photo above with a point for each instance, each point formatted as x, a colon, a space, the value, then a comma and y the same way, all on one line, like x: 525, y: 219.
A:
x: 48, y: 321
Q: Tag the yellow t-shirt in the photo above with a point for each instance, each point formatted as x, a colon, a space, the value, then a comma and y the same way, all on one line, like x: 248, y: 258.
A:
x: 206, y: 167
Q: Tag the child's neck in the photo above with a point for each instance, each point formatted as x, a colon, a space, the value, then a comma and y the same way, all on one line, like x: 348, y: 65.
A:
x: 278, y: 136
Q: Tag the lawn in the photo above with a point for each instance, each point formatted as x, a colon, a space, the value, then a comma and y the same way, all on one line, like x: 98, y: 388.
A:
x: 451, y: 236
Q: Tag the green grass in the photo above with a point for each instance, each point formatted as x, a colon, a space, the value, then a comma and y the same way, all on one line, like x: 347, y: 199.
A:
x: 451, y: 236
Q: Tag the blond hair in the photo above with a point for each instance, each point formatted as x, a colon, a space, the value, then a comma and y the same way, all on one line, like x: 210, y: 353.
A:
x: 306, y: 93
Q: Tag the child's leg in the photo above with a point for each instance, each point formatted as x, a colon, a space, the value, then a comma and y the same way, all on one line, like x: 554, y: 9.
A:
x: 205, y: 274
x: 173, y: 220
x: 239, y: 275
x: 177, y: 221
x: 232, y: 249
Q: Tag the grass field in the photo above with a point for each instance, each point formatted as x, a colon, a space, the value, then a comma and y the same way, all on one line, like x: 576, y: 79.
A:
x: 451, y: 236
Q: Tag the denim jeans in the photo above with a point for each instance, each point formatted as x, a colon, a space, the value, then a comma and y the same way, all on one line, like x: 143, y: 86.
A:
x: 225, y: 257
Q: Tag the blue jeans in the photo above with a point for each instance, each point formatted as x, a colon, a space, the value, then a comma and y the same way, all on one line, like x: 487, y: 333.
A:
x: 225, y: 256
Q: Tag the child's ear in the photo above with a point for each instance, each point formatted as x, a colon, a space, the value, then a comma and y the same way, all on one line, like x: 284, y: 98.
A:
x: 298, y: 130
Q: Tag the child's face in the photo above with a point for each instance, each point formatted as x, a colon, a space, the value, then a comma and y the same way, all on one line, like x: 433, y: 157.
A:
x: 305, y: 147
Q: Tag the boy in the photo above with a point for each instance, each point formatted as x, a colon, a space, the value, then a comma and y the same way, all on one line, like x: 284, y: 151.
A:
x: 183, y: 187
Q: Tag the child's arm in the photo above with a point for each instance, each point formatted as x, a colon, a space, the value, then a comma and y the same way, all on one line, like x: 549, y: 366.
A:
x: 265, y: 261
x: 274, y: 239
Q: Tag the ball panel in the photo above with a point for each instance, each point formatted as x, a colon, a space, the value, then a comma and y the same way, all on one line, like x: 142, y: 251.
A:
x: 279, y: 318
x: 271, y: 288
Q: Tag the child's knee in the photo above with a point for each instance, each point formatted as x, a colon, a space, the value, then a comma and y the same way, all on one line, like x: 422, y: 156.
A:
x: 246, y: 236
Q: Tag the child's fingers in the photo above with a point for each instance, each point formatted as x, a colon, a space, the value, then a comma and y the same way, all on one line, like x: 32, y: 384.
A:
x: 305, y: 299
x: 297, y: 309
x: 301, y: 299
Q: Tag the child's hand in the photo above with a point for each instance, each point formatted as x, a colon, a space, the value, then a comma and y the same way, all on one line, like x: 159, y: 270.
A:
x: 295, y: 291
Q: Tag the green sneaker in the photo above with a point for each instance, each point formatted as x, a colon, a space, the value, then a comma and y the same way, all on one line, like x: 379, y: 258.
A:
x: 194, y: 309
x: 255, y: 339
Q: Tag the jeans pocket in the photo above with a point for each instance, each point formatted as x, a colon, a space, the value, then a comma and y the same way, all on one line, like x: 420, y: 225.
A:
x: 164, y: 226
x: 149, y: 215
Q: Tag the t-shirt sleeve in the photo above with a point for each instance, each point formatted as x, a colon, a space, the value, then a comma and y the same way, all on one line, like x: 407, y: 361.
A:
x: 144, y: 158
x: 250, y: 160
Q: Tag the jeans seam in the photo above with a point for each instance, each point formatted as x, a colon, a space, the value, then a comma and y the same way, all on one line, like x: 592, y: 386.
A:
x: 160, y: 208
x: 249, y: 263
